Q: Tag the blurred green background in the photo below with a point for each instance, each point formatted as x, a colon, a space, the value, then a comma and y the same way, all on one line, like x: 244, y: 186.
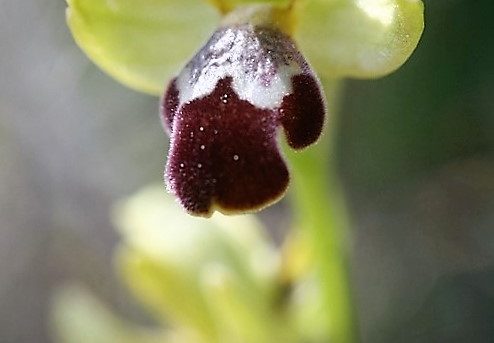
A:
x: 415, y: 151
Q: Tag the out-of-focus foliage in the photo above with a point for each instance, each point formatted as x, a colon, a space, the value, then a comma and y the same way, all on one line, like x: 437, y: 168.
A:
x: 80, y: 318
x: 217, y: 280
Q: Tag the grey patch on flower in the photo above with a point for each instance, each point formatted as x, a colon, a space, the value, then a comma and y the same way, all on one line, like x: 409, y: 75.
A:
x: 258, y: 51
x: 260, y: 60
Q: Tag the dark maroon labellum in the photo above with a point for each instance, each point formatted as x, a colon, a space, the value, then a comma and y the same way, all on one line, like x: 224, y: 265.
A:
x: 223, y: 112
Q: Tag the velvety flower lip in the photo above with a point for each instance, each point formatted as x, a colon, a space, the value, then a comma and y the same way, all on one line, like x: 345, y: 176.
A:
x: 252, y: 60
x: 223, y: 112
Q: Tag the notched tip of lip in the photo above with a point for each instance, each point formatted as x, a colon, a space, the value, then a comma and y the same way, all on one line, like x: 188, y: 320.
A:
x: 217, y: 205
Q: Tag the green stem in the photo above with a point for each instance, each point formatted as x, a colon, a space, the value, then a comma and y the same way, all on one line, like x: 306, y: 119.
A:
x: 319, y: 208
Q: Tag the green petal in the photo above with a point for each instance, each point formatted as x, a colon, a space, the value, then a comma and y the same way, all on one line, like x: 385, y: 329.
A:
x: 359, y: 38
x: 141, y: 43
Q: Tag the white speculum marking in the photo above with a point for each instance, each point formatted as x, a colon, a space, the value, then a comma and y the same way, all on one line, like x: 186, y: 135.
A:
x: 260, y: 61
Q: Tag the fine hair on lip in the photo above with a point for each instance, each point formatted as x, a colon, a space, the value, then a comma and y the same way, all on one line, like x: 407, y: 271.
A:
x: 223, y: 113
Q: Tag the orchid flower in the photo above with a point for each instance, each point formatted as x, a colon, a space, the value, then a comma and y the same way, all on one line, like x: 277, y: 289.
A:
x: 256, y: 74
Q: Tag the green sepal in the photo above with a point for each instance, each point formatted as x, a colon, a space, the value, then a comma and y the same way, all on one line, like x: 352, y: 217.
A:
x: 141, y: 43
x: 358, y: 38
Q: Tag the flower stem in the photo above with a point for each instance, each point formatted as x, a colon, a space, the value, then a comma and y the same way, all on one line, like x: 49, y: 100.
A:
x: 320, y: 212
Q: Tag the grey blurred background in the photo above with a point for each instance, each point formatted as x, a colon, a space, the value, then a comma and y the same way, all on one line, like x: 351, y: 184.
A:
x: 415, y: 151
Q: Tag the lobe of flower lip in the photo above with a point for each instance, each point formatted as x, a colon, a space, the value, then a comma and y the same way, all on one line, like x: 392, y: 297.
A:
x: 223, y: 112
